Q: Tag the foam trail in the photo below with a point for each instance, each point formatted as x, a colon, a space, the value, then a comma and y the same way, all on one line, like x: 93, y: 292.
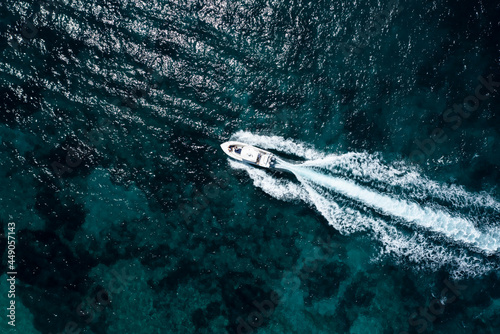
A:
x: 455, y: 228
x: 420, y: 221
x: 364, y: 166
x: 369, y: 167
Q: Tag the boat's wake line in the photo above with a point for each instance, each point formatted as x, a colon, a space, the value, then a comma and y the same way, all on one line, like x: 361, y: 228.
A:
x: 346, y: 190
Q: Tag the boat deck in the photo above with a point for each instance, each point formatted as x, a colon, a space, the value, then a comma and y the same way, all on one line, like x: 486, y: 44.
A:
x: 248, y: 153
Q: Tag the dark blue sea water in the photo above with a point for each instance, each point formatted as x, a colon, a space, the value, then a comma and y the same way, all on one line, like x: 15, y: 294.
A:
x: 128, y: 218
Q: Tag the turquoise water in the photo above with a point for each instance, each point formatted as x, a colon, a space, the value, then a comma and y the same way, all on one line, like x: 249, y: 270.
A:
x: 130, y: 219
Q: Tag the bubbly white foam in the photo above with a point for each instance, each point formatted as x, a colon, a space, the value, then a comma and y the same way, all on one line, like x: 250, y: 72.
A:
x: 455, y: 228
x: 423, y: 254
x: 369, y: 167
x: 454, y: 241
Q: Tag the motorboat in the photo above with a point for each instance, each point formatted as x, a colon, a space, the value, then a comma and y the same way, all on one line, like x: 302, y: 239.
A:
x: 248, y: 153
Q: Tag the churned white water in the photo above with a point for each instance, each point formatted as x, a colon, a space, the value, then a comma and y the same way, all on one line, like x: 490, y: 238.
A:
x: 338, y: 185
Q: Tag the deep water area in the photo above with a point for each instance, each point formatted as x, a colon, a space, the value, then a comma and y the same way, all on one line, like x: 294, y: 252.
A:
x: 128, y: 217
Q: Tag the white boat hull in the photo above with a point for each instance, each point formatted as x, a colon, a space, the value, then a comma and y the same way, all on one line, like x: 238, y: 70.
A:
x: 248, y: 153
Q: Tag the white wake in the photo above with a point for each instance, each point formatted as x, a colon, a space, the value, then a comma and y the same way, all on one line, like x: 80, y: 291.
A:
x: 338, y: 185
